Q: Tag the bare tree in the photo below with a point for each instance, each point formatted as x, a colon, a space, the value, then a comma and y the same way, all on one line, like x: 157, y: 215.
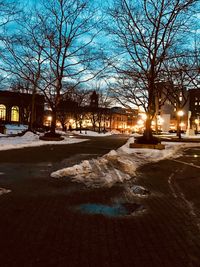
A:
x: 58, y: 47
x: 146, y: 33
x: 182, y: 72
x: 69, y: 29
x: 8, y: 13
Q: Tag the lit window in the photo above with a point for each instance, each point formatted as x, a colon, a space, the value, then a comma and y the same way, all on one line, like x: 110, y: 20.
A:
x: 2, y: 112
x: 15, y: 113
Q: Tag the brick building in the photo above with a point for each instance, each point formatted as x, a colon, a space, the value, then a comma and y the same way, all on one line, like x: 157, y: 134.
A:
x: 15, y: 108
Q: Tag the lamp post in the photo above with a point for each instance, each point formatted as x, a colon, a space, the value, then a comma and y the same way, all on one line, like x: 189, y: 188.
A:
x: 180, y: 114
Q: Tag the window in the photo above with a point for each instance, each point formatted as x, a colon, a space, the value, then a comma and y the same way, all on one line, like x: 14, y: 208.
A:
x: 15, y: 113
x: 2, y: 112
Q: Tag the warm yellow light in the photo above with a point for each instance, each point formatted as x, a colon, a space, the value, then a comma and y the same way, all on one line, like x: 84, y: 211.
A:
x: 196, y: 121
x: 140, y: 122
x: 49, y: 118
x: 160, y: 120
x: 143, y: 116
x: 182, y: 124
x: 180, y: 113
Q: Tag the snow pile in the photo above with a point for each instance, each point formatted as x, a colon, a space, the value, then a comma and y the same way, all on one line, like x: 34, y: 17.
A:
x: 91, y: 133
x: 115, y: 132
x: 4, y: 191
x: 30, y: 139
x: 15, y: 128
x: 149, y: 155
x: 119, y: 165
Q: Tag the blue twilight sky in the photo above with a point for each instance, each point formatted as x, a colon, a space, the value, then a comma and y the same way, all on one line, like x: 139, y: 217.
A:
x: 104, y: 40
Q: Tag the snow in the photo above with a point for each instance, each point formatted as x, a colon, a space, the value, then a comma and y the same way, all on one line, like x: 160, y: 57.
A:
x: 95, y: 134
x: 15, y: 128
x: 119, y: 165
x: 116, y: 166
x: 30, y: 139
x: 4, y: 191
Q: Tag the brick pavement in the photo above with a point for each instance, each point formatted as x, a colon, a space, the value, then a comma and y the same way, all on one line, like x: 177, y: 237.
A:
x: 42, y: 229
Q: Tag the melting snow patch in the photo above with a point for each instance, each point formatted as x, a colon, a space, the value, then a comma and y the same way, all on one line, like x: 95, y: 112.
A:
x: 4, y: 191
x: 119, y: 165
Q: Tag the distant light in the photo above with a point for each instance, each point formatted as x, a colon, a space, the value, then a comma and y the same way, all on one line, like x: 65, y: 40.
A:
x: 49, y: 118
x: 195, y: 156
x: 140, y: 122
x: 180, y: 113
x: 182, y: 124
x: 160, y: 120
x: 144, y: 116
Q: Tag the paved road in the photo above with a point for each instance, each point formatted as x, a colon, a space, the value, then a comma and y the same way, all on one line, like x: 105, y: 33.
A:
x: 39, y: 227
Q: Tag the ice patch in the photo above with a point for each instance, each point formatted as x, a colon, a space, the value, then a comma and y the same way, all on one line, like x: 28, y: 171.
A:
x: 118, y: 209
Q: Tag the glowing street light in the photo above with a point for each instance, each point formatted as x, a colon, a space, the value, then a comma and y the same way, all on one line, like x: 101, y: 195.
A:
x: 180, y: 113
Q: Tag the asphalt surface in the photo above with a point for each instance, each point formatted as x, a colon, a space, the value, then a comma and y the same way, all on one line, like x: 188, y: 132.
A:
x: 40, y: 225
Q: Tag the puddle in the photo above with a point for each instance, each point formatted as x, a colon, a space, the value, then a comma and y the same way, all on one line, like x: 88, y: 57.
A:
x: 119, y: 209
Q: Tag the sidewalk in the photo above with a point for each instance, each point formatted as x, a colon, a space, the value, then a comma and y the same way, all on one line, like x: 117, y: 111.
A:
x: 44, y: 230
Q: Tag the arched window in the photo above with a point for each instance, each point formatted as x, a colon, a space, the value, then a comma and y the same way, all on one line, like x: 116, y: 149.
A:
x: 2, y: 112
x: 15, y: 113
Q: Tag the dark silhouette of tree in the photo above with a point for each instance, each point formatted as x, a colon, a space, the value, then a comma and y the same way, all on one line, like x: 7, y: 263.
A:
x: 146, y: 33
x: 53, y: 46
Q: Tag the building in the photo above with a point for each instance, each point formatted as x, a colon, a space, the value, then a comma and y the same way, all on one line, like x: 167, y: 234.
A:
x: 170, y: 100
x: 194, y: 108
x: 15, y: 108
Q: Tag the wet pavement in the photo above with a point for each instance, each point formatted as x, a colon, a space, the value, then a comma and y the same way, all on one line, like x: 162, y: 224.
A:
x: 48, y: 222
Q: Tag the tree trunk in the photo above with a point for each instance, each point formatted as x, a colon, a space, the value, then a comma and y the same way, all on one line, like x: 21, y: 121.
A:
x: 53, y: 122
x: 148, y: 130
x: 32, y: 117
x: 178, y: 127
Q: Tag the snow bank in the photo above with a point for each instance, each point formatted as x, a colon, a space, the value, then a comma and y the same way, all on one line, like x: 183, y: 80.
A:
x: 30, y: 139
x: 92, y: 133
x: 119, y: 165
x: 15, y: 128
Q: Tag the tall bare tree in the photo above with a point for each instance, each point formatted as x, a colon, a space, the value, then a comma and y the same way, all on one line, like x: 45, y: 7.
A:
x: 58, y: 47
x: 146, y: 32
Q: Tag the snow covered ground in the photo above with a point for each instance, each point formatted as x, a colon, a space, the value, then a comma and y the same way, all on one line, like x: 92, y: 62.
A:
x: 30, y: 139
x: 119, y: 165
x: 96, y: 134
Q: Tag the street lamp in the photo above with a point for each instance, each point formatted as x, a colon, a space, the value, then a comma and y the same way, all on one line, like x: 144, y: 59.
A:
x: 180, y: 113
